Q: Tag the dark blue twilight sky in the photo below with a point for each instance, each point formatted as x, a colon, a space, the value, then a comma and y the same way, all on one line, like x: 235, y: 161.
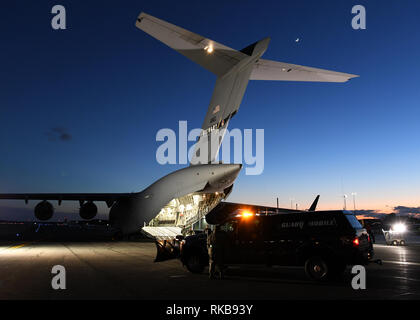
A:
x: 80, y: 108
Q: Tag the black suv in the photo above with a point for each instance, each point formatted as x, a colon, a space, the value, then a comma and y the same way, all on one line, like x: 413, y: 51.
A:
x: 324, y: 242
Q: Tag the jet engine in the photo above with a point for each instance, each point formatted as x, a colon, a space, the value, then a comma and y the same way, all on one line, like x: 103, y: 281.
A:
x: 44, y: 210
x: 88, y: 210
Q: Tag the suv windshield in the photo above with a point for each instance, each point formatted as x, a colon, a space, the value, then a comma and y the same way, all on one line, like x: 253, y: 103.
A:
x: 353, y: 221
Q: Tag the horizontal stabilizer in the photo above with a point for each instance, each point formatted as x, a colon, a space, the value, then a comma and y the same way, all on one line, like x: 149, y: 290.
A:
x: 234, y: 69
x: 280, y: 71
x: 211, y: 55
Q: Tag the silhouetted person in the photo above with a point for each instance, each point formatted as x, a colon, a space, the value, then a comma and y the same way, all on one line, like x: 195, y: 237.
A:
x: 216, y: 244
x: 207, y: 231
x: 370, y: 233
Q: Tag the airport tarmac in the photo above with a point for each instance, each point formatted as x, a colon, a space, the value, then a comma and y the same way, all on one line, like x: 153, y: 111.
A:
x: 125, y: 270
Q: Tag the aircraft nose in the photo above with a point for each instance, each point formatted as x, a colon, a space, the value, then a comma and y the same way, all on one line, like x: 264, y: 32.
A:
x: 235, y: 168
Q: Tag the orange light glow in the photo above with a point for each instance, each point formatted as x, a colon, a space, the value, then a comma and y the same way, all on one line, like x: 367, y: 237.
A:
x: 247, y: 214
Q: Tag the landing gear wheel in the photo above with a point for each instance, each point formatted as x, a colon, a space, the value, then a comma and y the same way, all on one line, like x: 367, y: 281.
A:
x: 402, y: 243
x: 316, y: 268
x: 395, y: 243
x: 194, y: 265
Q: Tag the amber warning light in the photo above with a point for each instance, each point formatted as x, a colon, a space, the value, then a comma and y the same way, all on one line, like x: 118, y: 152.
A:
x: 247, y: 214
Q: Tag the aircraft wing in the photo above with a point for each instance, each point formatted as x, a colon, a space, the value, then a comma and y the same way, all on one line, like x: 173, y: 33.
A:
x: 109, y: 198
x: 280, y: 71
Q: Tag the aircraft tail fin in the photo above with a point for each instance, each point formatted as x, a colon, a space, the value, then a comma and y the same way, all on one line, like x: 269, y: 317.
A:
x: 233, y: 69
x: 314, y: 204
x: 225, y: 101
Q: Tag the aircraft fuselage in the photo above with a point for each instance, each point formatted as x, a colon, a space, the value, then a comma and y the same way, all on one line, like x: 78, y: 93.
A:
x: 128, y: 215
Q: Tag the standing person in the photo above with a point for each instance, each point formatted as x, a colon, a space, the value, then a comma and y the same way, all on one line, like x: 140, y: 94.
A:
x: 370, y: 233
x: 210, y: 247
x: 216, y: 244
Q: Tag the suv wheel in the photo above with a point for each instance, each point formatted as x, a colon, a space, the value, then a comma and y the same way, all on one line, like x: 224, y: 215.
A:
x: 194, y: 264
x: 316, y: 268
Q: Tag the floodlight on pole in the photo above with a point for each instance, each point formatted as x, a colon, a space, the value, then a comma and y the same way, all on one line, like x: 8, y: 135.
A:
x: 345, y: 203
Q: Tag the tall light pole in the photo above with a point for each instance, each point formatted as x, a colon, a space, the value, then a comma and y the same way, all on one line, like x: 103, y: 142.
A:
x: 354, y: 194
x: 345, y: 203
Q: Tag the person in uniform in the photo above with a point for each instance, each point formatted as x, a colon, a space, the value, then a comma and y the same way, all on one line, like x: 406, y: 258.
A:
x: 210, y: 252
x: 216, y: 244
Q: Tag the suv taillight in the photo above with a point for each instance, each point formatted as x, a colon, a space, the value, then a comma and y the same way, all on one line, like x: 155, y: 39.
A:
x: 356, y: 242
